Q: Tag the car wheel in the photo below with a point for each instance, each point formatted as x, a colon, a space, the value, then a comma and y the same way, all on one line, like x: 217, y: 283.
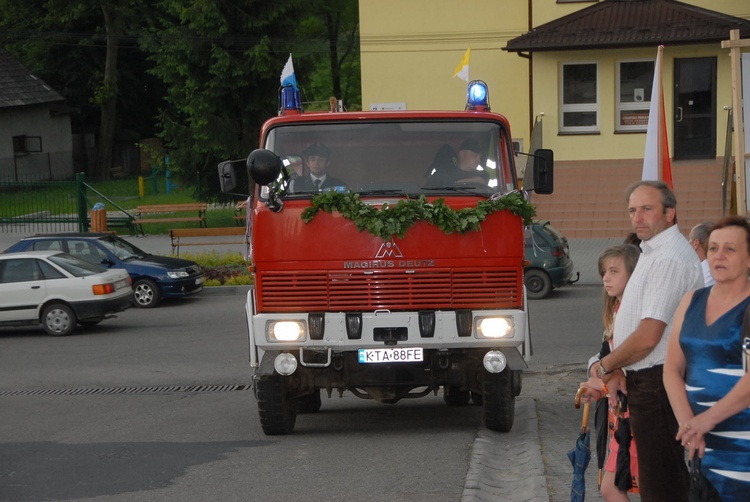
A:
x: 58, y: 319
x: 146, y: 294
x: 499, y: 400
x: 278, y: 413
x: 538, y: 284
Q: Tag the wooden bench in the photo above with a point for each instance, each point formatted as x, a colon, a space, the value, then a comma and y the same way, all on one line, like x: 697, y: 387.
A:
x: 178, y: 235
x: 141, y: 211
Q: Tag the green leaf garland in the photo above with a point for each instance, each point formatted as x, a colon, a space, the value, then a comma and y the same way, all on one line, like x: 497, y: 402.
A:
x: 394, y: 220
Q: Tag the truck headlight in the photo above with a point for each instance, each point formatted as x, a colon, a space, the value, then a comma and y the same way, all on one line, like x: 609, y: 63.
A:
x: 495, y: 327
x: 286, y: 331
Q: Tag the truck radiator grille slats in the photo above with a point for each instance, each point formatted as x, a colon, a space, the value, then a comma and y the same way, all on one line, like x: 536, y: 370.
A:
x: 390, y: 289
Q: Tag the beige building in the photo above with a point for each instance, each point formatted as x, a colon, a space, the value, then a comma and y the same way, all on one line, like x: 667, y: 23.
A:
x: 585, y: 70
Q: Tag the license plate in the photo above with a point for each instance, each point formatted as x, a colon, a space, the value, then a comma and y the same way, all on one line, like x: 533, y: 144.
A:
x: 124, y: 283
x: 199, y: 281
x: 410, y: 355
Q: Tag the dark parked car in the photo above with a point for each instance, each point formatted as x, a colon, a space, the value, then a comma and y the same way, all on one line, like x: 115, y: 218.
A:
x: 154, y: 277
x: 548, y: 255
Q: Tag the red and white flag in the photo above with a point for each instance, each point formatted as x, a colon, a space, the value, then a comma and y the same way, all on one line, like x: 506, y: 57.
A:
x: 656, y: 163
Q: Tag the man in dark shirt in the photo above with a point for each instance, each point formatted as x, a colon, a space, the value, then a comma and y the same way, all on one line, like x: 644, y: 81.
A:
x: 316, y: 157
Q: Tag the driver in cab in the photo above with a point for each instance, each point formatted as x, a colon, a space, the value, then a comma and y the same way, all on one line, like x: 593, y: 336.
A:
x: 316, y: 158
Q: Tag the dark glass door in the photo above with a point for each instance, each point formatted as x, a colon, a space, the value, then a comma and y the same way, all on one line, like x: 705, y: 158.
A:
x: 695, y: 108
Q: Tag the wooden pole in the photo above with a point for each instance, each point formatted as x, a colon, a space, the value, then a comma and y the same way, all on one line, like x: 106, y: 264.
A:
x: 735, y: 44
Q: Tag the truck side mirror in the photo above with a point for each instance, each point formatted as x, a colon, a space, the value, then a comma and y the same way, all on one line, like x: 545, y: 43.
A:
x: 543, y: 171
x: 231, y: 174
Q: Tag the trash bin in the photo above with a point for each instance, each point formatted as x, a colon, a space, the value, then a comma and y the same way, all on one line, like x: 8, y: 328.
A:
x: 98, y: 220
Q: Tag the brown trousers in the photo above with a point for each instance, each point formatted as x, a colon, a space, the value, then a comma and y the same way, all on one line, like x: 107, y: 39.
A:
x: 661, y: 458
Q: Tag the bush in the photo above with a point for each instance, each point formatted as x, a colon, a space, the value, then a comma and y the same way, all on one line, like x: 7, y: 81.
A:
x: 223, y: 269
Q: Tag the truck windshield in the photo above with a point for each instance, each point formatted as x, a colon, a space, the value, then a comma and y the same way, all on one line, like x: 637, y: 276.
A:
x: 392, y: 158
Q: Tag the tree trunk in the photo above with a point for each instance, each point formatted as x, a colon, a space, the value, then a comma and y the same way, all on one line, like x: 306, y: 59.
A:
x: 107, y: 96
x: 332, y: 24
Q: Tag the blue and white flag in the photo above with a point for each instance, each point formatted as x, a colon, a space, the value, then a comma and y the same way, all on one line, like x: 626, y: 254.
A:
x: 287, y: 75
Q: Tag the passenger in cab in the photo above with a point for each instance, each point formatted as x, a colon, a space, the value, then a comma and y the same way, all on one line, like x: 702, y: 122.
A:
x: 465, y: 168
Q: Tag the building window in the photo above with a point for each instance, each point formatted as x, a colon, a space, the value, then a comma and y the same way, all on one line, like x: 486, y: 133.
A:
x: 634, y: 81
x: 580, y: 97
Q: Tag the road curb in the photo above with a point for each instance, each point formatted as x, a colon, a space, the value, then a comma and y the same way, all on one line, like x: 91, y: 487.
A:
x: 508, y: 466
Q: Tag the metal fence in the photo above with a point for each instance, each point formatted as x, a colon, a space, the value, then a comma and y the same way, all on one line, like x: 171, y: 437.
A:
x: 49, y: 206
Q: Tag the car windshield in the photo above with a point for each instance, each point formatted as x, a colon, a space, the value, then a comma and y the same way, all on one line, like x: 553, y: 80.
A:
x: 121, y: 248
x: 396, y: 158
x: 75, y: 266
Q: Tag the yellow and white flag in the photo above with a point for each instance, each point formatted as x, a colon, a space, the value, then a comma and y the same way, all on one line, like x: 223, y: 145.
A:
x: 462, y: 70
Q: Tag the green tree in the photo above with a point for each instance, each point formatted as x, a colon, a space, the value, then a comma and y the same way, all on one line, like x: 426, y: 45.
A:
x: 77, y: 46
x: 220, y: 63
x: 330, y: 31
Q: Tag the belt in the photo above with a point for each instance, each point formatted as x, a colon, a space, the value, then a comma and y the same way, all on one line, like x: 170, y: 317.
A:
x: 645, y: 372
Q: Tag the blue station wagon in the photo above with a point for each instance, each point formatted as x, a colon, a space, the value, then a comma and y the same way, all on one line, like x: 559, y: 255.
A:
x: 154, y: 277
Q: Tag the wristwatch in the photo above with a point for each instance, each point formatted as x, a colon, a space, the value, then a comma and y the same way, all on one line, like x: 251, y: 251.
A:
x: 602, y: 370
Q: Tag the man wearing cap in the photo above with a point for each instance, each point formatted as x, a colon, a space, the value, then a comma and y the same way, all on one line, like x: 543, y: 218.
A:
x: 466, y: 169
x: 316, y: 158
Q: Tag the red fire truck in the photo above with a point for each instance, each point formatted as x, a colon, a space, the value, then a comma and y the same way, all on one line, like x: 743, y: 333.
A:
x: 402, y: 273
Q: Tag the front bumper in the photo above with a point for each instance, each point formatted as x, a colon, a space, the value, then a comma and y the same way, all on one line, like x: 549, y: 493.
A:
x: 175, y: 288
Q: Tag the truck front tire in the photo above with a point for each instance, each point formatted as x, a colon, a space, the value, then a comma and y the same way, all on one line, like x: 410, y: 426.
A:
x: 278, y: 413
x: 499, y: 400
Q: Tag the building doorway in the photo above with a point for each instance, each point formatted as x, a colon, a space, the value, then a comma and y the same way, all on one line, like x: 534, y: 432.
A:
x: 695, y: 108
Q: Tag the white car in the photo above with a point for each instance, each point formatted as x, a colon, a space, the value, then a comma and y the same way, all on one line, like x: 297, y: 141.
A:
x: 58, y: 291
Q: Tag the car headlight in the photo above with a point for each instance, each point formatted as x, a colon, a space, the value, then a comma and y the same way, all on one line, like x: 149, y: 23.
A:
x: 177, y: 274
x: 495, y: 327
x: 285, y: 331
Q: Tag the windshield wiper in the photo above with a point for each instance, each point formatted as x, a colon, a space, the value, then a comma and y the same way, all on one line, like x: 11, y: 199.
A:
x: 462, y: 189
x: 392, y: 191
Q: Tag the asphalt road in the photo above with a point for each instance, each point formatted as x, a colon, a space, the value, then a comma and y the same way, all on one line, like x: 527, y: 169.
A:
x: 155, y: 405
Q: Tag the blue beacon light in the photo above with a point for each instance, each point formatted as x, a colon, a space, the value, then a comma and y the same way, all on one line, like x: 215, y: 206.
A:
x: 478, y: 96
x: 289, y: 100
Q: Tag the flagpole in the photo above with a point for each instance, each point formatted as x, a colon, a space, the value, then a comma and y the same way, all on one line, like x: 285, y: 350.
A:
x: 659, y: 91
x: 735, y: 44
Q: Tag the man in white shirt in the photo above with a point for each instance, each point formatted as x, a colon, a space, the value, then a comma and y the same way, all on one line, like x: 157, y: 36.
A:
x: 698, y: 239
x: 667, y: 269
